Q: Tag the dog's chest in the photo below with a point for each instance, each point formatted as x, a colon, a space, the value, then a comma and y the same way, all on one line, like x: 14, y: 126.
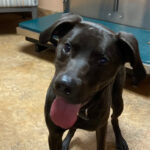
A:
x: 92, y: 115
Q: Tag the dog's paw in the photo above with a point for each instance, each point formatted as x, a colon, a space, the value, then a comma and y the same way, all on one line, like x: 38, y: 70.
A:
x: 65, y: 145
x: 122, y: 144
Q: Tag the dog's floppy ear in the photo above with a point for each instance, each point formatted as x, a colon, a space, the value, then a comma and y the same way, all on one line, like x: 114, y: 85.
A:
x: 129, y: 47
x: 59, y: 28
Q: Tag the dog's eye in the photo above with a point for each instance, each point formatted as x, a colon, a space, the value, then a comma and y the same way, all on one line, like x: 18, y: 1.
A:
x: 67, y: 48
x: 102, y: 60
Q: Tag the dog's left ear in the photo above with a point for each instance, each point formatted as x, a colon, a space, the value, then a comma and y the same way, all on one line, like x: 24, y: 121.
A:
x: 129, y: 48
x: 59, y: 29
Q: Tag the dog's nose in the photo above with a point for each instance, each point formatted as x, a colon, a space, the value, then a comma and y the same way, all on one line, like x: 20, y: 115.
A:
x: 66, y: 85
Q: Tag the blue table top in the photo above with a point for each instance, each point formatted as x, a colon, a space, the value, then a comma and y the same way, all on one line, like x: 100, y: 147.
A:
x: 143, y: 36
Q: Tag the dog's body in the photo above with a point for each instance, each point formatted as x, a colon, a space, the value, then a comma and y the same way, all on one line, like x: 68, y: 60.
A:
x: 89, y: 79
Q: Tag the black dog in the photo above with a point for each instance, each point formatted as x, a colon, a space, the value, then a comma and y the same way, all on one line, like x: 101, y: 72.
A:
x: 89, y: 79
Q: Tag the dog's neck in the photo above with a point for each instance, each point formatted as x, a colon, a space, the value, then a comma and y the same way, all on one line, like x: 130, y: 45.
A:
x: 93, y: 101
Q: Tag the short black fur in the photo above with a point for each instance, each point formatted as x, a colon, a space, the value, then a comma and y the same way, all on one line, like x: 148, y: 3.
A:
x: 95, y: 73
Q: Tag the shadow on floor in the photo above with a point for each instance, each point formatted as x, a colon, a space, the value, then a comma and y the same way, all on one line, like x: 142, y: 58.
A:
x: 77, y: 142
x: 142, y: 88
x: 48, y: 54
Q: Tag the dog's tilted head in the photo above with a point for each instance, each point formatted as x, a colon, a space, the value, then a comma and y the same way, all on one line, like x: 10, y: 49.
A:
x: 88, y: 57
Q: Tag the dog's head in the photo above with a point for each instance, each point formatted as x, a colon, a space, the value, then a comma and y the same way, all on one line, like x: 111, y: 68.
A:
x: 88, y: 57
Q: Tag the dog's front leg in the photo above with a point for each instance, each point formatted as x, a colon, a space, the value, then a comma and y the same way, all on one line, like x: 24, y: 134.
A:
x: 55, y: 140
x: 66, y: 142
x: 55, y: 133
x: 101, y: 136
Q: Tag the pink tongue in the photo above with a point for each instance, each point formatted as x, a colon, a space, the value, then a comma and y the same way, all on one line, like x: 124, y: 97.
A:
x: 64, y: 114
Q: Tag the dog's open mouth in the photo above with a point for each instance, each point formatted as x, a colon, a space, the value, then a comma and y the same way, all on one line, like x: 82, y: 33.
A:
x: 64, y: 114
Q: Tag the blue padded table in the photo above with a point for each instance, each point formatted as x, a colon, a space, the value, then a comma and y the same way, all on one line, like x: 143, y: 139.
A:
x: 142, y: 35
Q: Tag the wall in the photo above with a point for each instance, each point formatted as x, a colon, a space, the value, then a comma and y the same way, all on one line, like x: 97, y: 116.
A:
x: 53, y: 5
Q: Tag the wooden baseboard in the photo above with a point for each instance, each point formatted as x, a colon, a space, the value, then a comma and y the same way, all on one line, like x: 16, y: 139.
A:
x: 27, y: 33
x: 44, y: 12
